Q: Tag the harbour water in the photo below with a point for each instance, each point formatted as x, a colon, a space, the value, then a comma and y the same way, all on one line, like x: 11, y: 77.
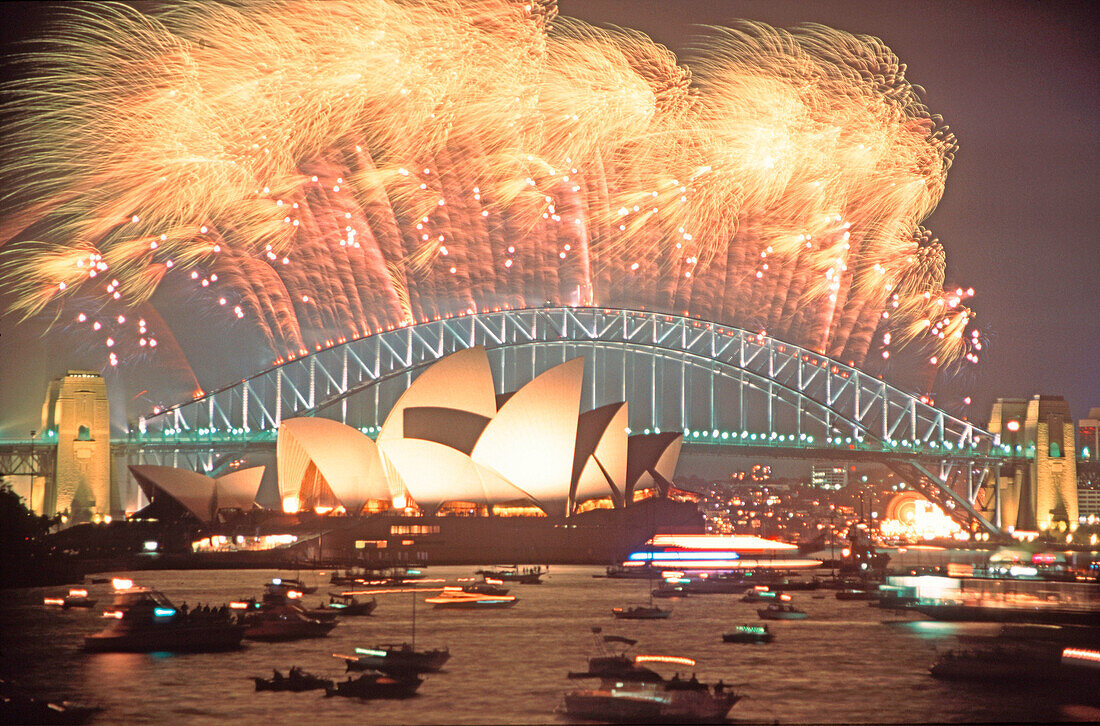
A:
x: 847, y: 663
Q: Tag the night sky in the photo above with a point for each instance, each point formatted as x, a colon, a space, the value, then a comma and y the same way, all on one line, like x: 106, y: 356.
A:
x: 1016, y: 82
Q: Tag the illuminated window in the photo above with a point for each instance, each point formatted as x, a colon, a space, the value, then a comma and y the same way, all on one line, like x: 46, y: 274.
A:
x: 414, y: 529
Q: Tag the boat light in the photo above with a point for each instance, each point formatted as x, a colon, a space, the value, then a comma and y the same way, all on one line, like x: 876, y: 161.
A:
x: 1081, y: 654
x: 121, y: 583
x: 785, y: 597
x: 293, y: 594
x: 238, y: 605
x: 371, y: 651
x: 53, y: 601
x: 164, y: 612
x: 78, y: 592
x: 116, y: 614
x: 664, y: 659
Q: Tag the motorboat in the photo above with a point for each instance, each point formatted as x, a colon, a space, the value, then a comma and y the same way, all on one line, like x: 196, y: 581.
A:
x: 141, y: 620
x: 346, y: 603
x: 615, y: 664
x: 351, y: 576
x: 641, y: 612
x: 644, y: 703
x: 296, y: 681
x: 487, y: 586
x: 20, y: 707
x: 1067, y: 656
x: 396, y: 659
x: 293, y: 583
x: 77, y: 598
x: 376, y: 685
x: 284, y: 622
x: 385, y: 578
x: 621, y: 699
x: 781, y: 610
x: 760, y: 593
x: 749, y: 634
x: 669, y: 591
x: 719, y: 584
x: 455, y: 598
x: 531, y: 575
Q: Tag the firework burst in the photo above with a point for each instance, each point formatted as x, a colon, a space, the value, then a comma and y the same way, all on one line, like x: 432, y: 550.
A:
x: 327, y: 170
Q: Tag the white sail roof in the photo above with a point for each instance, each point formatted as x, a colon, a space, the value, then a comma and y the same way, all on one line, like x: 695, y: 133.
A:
x: 435, y: 473
x: 237, y: 489
x: 531, y: 439
x: 607, y: 463
x: 347, y: 460
x: 462, y: 380
x: 201, y: 495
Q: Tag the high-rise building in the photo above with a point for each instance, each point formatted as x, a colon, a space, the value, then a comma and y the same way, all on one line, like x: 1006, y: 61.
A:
x: 829, y: 477
x: 1088, y: 436
x: 76, y: 408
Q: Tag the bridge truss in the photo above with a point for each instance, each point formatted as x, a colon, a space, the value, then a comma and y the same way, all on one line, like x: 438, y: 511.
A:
x: 721, y: 386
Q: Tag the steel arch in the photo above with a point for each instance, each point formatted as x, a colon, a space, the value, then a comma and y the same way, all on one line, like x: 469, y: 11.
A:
x: 826, y: 395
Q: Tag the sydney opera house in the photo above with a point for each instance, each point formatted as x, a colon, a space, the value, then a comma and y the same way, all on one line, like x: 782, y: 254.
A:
x: 457, y: 472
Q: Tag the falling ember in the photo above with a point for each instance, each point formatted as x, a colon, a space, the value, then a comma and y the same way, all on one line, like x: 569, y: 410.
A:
x: 603, y: 170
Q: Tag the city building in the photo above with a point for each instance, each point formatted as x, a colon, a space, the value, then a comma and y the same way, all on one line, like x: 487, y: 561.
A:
x: 829, y: 477
x: 1088, y: 436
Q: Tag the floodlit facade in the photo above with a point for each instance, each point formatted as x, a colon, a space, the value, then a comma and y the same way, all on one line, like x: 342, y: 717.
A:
x: 452, y: 440
x: 324, y: 465
x: 201, y: 495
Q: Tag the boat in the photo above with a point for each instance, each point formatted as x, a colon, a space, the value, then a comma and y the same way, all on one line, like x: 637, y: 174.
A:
x: 1060, y: 656
x: 720, y: 584
x: 19, y: 707
x: 295, y: 681
x: 622, y: 699
x: 1000, y: 613
x: 782, y: 610
x: 282, y: 623
x: 487, y: 586
x: 351, y: 576
x: 669, y: 591
x: 384, y: 578
x: 641, y: 612
x: 455, y: 598
x: 346, y: 603
x: 622, y: 572
x: 760, y: 593
x: 77, y: 598
x: 399, y: 659
x: 141, y: 620
x: 749, y: 634
x: 293, y: 583
x: 531, y: 575
x: 615, y: 664
x: 376, y: 685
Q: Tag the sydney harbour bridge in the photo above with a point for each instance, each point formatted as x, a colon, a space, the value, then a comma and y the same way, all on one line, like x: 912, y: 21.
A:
x: 730, y: 391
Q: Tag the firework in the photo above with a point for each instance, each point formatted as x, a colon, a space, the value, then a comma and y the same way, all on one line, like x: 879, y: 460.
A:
x: 328, y: 170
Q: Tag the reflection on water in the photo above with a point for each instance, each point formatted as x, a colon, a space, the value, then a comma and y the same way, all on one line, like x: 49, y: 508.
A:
x: 848, y: 663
